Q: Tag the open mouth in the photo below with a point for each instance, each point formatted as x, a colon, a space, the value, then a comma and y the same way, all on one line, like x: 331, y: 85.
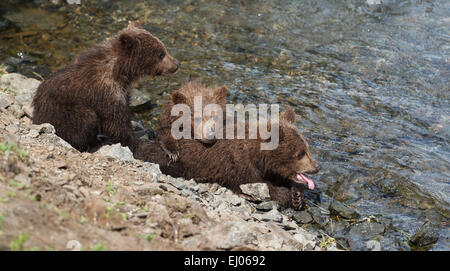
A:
x: 302, y: 178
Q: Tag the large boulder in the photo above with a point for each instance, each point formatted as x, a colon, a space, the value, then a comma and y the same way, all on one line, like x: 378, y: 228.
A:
x: 22, y: 87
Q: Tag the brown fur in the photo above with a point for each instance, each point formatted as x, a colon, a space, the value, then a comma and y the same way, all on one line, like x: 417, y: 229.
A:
x: 185, y: 95
x: 238, y: 161
x: 90, y: 95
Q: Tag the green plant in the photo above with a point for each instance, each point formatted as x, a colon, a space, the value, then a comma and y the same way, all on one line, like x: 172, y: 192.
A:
x: 11, y: 194
x: 12, y: 147
x: 110, y: 189
x: 2, y: 220
x: 109, y: 210
x: 83, y: 219
x: 99, y: 247
x: 326, y: 240
x: 149, y: 237
x: 18, y: 242
x: 14, y: 184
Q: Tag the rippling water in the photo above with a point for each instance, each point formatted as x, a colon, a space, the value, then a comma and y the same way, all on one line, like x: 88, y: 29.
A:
x: 369, y: 82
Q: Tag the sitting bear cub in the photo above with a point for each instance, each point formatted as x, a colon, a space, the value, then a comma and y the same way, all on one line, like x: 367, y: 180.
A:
x: 87, y: 100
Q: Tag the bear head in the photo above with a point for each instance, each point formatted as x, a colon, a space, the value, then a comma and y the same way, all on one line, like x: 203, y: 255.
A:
x: 291, y: 161
x: 142, y: 54
x: 203, y: 127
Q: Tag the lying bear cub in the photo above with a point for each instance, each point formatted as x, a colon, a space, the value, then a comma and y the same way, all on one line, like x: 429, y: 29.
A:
x: 232, y: 162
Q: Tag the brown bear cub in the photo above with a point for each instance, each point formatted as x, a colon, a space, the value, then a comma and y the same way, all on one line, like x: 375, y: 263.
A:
x: 238, y: 161
x: 232, y: 162
x: 87, y: 100
x: 186, y: 95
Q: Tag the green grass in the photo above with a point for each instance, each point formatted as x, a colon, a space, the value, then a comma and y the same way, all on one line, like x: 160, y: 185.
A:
x: 110, y: 189
x: 2, y: 220
x: 149, y: 237
x: 83, y: 219
x: 99, y: 247
x: 11, y: 194
x: 18, y: 243
x: 14, y: 184
x: 12, y: 147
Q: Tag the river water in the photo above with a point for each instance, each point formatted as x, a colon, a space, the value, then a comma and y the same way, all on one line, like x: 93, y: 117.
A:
x: 369, y: 81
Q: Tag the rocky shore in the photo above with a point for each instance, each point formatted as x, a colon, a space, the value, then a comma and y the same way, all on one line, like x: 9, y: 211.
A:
x: 53, y: 197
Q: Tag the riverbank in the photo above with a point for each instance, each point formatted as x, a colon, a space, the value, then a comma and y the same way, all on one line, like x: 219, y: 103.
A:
x: 51, y: 194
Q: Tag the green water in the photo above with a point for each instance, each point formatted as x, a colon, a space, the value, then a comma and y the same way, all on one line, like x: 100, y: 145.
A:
x: 370, y: 83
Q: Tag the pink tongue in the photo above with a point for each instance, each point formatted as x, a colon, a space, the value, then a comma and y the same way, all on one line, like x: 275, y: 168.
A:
x: 303, y: 178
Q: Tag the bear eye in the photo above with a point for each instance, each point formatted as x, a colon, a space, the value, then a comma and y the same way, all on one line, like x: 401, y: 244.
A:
x: 162, y: 55
x: 301, y: 154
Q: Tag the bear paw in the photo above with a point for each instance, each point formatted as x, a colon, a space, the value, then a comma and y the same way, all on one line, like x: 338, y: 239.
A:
x: 296, y: 199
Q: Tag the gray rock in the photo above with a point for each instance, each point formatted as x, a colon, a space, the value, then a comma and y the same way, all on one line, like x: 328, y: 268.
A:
x: 16, y: 110
x: 116, y: 151
x: 45, y: 128
x: 177, y: 183
x: 148, y: 189
x: 302, y: 217
x: 270, y: 241
x: 138, y: 98
x: 266, y: 206
x: 5, y: 100
x: 318, y: 217
x: 154, y: 171
x: 257, y: 191
x: 12, y: 129
x: 339, y: 209
x: 28, y: 110
x: 307, y: 242
x: 234, y: 200
x: 9, y: 138
x: 367, y: 229
x: 334, y: 227
x: 220, y: 191
x: 202, y: 189
x: 273, y: 215
x: 33, y: 133
x: 289, y: 225
x: 229, y: 235
x: 426, y: 235
x: 23, y: 87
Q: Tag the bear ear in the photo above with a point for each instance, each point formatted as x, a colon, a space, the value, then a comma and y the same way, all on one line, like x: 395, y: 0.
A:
x: 134, y: 24
x: 127, y: 42
x: 178, y: 98
x: 221, y: 93
x: 288, y: 115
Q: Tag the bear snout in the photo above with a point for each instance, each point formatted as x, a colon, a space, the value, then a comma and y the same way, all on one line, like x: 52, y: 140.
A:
x: 315, y: 169
x: 170, y: 64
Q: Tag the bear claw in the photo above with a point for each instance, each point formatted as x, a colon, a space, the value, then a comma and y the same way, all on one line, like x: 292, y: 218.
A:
x: 297, y: 201
x: 173, y: 157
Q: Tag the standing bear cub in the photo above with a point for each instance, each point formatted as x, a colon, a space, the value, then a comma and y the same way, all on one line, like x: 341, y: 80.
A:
x: 87, y: 100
